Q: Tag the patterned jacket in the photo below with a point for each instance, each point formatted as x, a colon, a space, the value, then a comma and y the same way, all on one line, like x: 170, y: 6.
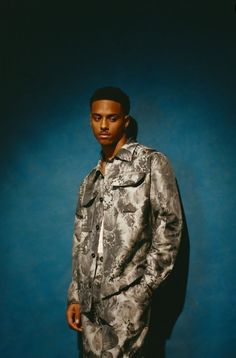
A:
x: 139, y: 202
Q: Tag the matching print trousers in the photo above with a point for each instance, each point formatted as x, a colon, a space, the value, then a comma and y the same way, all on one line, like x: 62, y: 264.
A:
x: 116, y: 326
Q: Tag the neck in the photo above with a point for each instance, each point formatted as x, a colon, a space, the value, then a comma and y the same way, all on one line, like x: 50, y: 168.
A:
x: 110, y: 151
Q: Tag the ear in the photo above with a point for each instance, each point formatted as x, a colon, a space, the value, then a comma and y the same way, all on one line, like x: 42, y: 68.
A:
x: 127, y: 120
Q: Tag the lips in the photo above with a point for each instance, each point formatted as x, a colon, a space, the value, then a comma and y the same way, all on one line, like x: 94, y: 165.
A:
x: 104, y: 135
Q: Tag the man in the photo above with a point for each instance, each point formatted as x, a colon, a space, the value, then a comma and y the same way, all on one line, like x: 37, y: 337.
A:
x: 126, y: 237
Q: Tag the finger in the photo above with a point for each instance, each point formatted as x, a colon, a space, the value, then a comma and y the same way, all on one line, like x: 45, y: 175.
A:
x: 74, y: 321
x: 74, y: 325
x: 70, y: 319
x: 79, y: 325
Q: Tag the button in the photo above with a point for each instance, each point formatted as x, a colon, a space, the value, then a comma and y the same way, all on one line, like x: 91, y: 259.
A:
x: 97, y: 227
x: 101, y: 199
x: 93, y: 255
x: 89, y: 285
x: 101, y: 259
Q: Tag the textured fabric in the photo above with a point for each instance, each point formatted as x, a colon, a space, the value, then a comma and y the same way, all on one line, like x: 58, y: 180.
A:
x: 139, y: 201
x: 117, y: 326
x: 123, y: 335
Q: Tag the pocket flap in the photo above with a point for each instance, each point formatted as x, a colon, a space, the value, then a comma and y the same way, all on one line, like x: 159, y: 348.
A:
x: 88, y: 198
x: 129, y: 179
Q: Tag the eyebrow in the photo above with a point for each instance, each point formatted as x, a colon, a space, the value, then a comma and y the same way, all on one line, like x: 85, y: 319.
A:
x: 108, y: 115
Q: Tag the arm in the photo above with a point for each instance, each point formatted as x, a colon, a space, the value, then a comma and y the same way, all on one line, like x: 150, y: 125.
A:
x: 73, y: 307
x: 166, y: 222
x: 73, y: 296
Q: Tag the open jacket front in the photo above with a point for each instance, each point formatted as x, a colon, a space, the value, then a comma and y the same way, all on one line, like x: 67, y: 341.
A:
x: 139, y: 202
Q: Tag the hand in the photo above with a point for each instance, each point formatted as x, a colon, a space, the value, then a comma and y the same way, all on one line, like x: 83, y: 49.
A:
x: 73, y: 317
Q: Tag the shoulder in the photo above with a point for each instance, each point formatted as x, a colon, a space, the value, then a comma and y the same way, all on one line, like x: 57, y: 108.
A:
x: 85, y: 183
x: 90, y: 175
x: 88, y: 179
x: 150, y: 156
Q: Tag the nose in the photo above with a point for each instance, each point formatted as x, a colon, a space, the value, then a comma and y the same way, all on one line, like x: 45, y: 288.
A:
x: 104, y: 124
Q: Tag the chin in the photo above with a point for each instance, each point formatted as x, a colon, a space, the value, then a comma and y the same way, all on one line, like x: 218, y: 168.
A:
x: 105, y: 141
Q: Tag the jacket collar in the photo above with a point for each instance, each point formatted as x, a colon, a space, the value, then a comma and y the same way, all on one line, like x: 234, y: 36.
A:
x: 125, y: 153
x: 127, y: 150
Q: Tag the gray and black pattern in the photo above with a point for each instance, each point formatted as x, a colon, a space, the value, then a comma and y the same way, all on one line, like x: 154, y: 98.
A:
x: 139, y: 202
x: 117, y: 325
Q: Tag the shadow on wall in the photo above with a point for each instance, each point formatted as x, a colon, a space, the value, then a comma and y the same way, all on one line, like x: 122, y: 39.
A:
x: 168, y: 301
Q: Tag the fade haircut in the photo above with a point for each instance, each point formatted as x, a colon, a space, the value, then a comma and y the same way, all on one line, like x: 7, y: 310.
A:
x: 114, y: 94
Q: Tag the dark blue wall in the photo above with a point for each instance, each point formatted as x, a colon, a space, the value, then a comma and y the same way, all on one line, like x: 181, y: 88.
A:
x: 177, y: 63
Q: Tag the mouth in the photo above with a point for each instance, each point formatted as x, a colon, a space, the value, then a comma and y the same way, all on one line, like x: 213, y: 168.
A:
x: 104, y: 135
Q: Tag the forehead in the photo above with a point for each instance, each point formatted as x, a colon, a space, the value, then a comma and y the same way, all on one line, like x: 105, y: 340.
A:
x: 106, y: 106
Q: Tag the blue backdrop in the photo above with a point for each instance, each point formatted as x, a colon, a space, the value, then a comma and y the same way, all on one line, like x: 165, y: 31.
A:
x: 177, y: 63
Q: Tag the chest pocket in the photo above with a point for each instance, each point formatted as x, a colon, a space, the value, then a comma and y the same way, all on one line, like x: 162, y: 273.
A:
x: 132, y: 179
x: 85, y: 211
x: 129, y: 191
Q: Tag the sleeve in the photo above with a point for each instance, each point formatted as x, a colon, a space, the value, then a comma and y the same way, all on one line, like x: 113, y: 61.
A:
x: 166, y: 221
x: 73, y: 295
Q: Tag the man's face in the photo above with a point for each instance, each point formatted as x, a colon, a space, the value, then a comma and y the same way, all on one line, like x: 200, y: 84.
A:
x: 108, y: 122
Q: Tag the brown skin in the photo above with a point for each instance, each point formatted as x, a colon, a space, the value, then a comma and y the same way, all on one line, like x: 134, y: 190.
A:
x: 73, y: 317
x: 108, y: 122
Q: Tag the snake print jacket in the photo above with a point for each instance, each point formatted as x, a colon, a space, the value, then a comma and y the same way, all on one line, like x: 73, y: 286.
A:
x: 139, y: 202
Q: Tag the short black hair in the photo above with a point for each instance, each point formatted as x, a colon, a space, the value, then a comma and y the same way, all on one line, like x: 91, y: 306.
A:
x: 114, y: 94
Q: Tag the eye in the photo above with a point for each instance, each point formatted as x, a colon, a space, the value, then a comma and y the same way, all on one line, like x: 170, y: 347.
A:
x: 114, y: 117
x: 96, y: 117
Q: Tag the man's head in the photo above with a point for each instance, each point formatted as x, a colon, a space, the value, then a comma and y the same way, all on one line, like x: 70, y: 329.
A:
x: 109, y: 109
x: 113, y: 94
